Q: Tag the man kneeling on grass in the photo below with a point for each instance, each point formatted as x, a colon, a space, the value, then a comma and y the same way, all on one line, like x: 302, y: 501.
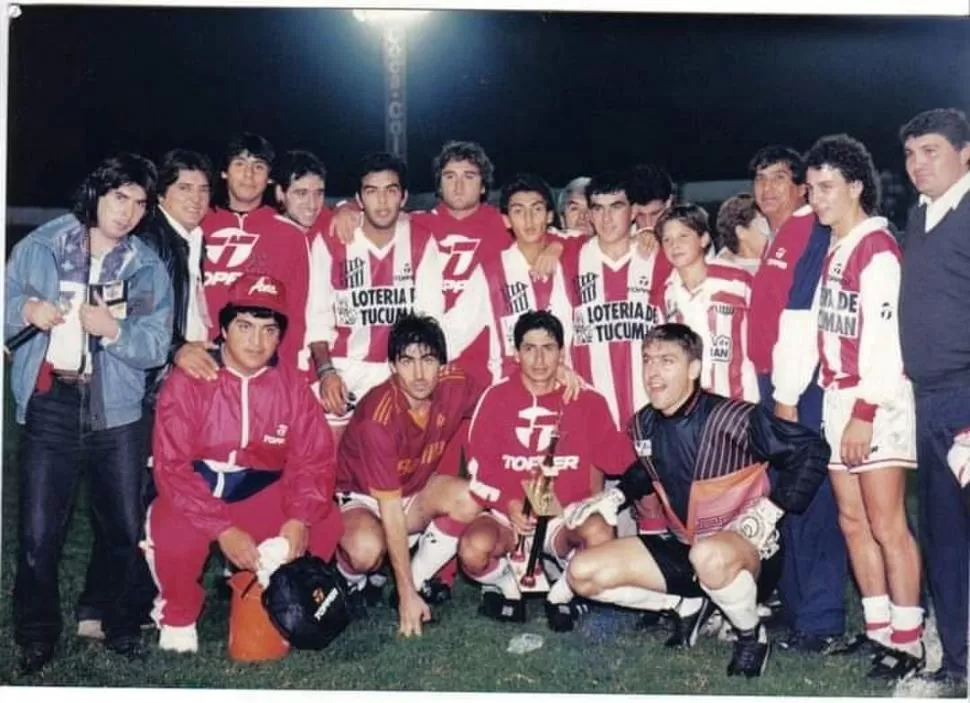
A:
x: 238, y: 461
x: 511, y: 439
x: 389, y: 488
x: 707, y: 458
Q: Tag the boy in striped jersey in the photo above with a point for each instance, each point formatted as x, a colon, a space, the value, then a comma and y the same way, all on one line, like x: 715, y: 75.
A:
x: 868, y: 408
x: 712, y: 299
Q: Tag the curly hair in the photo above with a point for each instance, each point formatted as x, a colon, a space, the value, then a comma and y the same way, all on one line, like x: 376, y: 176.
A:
x: 853, y: 161
x: 464, y: 151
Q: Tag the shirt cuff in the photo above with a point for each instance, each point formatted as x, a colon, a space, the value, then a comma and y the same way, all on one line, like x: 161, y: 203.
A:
x: 864, y: 411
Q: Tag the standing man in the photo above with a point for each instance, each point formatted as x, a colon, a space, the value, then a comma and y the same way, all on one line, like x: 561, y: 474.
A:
x: 103, y: 305
x: 389, y: 269
x: 868, y: 415
x: 573, y: 208
x: 815, y: 573
x: 935, y: 336
x: 247, y: 236
x: 238, y: 460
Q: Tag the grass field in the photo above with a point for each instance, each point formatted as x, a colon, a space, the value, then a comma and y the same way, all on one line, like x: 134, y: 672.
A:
x: 460, y: 652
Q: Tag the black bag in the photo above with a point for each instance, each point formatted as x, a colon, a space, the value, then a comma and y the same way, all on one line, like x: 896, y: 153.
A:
x: 307, y: 602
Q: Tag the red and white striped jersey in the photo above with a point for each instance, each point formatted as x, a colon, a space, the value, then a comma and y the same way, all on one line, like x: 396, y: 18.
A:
x: 718, y: 311
x: 360, y: 290
x: 853, y: 320
x: 612, y: 311
x: 498, y: 292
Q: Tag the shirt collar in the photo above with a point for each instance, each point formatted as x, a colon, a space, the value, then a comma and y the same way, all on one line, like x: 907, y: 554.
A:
x: 184, y: 233
x: 950, y: 200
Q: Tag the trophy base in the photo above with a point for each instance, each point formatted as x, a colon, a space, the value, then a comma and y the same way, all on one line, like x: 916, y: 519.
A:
x: 536, y: 582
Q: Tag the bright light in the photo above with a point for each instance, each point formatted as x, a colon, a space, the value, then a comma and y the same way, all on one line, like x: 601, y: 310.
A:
x: 389, y: 17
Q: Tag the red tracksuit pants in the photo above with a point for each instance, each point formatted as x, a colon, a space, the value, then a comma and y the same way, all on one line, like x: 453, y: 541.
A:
x: 177, y: 553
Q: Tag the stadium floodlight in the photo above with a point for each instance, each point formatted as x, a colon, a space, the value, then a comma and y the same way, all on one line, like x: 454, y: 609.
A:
x: 395, y: 53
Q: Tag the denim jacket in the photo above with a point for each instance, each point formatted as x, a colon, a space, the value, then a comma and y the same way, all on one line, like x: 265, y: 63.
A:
x: 118, y: 383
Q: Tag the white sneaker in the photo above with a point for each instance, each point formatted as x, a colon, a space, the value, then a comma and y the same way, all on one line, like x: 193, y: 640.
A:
x: 90, y: 629
x: 179, y: 639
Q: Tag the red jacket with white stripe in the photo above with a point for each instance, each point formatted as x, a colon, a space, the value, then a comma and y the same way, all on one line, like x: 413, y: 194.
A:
x: 242, y: 429
x: 854, y: 321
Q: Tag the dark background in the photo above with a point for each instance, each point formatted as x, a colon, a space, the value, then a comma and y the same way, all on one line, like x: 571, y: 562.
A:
x: 557, y: 93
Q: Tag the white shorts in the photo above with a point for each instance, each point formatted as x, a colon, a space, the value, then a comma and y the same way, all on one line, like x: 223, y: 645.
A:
x: 348, y: 500
x: 893, y: 430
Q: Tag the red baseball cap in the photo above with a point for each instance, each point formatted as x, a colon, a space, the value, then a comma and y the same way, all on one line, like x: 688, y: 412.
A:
x: 258, y: 290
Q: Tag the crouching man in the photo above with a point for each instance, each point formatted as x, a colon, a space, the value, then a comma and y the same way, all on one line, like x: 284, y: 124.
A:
x: 707, y: 458
x: 238, y: 460
x: 390, y: 489
x: 524, y: 426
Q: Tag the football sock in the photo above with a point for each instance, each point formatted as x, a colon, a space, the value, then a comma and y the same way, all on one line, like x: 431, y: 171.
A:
x: 637, y: 598
x: 688, y: 607
x: 560, y: 592
x: 437, y: 546
x: 738, y: 600
x: 877, y: 612
x: 907, y: 625
x: 499, y: 574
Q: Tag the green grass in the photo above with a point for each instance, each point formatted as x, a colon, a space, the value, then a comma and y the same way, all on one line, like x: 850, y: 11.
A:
x: 460, y: 652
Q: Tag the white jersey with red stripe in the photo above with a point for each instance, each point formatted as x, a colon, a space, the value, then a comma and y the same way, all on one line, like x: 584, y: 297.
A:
x: 717, y: 310
x: 853, y: 320
x: 612, y: 312
x: 360, y: 289
x: 498, y: 292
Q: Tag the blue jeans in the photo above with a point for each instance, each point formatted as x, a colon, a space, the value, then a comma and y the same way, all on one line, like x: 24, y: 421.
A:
x: 57, y: 447
x: 815, y: 570
x: 944, y: 525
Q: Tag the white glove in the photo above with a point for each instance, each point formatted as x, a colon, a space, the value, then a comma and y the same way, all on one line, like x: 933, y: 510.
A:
x: 607, y: 503
x: 959, y: 457
x: 272, y: 554
x: 757, y: 525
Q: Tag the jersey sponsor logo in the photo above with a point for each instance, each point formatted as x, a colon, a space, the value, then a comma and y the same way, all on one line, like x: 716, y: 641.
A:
x: 533, y: 463
x: 835, y: 275
x: 839, y: 312
x: 221, y: 278
x: 352, y: 273
x: 263, y: 285
x: 230, y: 247
x: 617, y: 321
x: 372, y: 306
x: 406, y: 275
x: 586, y: 287
x: 279, y: 438
x: 536, y: 427
x: 459, y: 252
x: 721, y: 348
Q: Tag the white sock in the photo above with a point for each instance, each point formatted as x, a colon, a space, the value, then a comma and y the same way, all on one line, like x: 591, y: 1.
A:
x: 738, y: 600
x: 503, y: 578
x: 560, y: 592
x: 907, y: 625
x: 356, y: 581
x: 877, y: 612
x: 638, y: 598
x: 688, y: 607
x: 437, y: 546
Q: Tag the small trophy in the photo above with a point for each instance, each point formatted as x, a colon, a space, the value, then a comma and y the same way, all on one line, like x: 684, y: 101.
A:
x: 541, y: 501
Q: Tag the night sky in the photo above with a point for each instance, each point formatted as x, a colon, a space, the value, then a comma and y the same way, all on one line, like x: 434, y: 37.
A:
x: 559, y: 94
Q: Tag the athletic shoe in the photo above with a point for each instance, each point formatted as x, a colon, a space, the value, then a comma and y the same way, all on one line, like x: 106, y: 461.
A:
x: 654, y: 620
x: 497, y: 607
x: 941, y: 684
x: 34, y: 656
x: 895, y: 664
x: 751, y: 652
x: 859, y: 645
x: 807, y: 643
x: 128, y: 646
x: 433, y: 592
x: 179, y: 639
x: 687, y: 629
x: 563, y: 617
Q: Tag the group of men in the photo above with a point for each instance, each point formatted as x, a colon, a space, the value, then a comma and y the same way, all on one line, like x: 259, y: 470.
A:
x: 367, y: 382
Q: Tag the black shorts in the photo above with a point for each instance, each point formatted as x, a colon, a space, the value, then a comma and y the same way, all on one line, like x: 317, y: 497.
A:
x: 673, y: 562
